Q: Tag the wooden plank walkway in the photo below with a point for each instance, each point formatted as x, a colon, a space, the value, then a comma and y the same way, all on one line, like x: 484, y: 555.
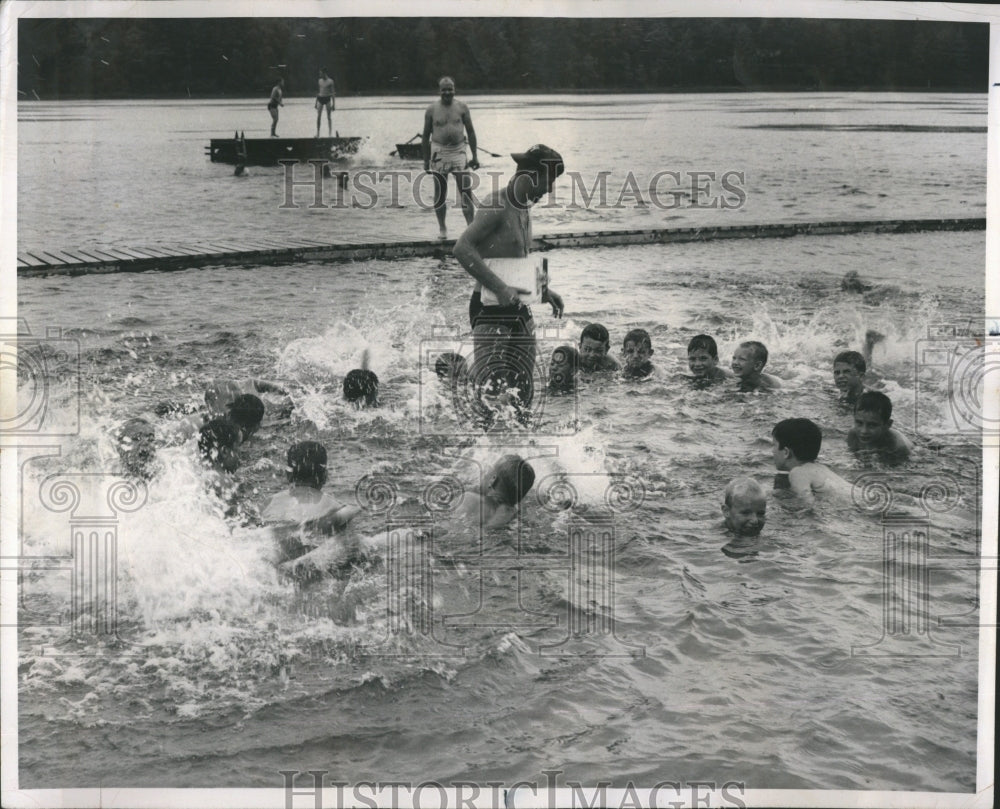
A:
x: 256, y: 251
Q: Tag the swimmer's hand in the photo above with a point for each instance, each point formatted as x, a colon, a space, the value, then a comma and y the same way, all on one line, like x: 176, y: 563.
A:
x: 555, y: 300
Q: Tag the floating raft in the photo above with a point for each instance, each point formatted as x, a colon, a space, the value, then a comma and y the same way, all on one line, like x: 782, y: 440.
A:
x: 410, y: 151
x: 258, y: 251
x: 268, y: 151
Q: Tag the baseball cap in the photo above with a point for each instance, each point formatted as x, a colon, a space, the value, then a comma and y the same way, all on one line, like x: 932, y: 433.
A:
x: 540, y: 156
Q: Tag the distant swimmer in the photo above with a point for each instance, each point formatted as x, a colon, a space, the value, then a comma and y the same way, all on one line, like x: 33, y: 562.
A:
x: 326, y: 97
x: 361, y: 385
x: 277, y: 94
x: 744, y: 506
x: 497, y: 501
x: 504, y: 334
x: 447, y: 122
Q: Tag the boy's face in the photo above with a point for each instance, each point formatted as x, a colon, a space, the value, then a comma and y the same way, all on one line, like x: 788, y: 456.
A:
x: 636, y: 353
x: 701, y: 362
x: 846, y: 377
x: 745, y: 362
x: 745, y: 515
x: 781, y: 455
x: 592, y: 352
x: 870, y: 428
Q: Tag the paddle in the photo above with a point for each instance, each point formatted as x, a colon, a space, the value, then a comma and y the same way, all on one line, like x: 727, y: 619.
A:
x: 393, y: 152
x: 491, y: 154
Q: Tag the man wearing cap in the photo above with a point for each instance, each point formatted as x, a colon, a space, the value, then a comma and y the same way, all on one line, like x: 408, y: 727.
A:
x: 504, y: 333
x: 446, y: 123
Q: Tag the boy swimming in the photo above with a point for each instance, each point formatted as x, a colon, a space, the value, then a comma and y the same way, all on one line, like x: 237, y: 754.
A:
x: 304, y: 510
x: 744, y: 506
x: 872, y: 428
x: 361, y: 387
x: 217, y: 442
x: 503, y: 488
x: 703, y: 359
x: 135, y: 442
x: 795, y: 446
x: 637, y: 348
x: 848, y: 374
x: 749, y: 360
x: 595, y: 342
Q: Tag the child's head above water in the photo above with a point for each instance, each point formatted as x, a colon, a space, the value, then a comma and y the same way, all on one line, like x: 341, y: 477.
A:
x: 451, y: 366
x: 307, y: 464
x: 136, y: 447
x: 595, y: 342
x: 361, y: 387
x: 511, y: 478
x: 246, y: 411
x: 795, y: 442
x: 848, y: 370
x: 703, y: 355
x: 637, y: 348
x: 749, y: 358
x: 872, y: 417
x: 217, y: 442
x: 744, y: 506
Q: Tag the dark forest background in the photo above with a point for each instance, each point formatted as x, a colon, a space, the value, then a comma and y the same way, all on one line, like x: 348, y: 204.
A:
x: 240, y: 57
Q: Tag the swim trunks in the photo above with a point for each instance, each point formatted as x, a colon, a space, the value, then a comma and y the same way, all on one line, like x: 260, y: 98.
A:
x: 505, y: 347
x: 321, y: 100
x: 272, y: 105
x: 446, y: 159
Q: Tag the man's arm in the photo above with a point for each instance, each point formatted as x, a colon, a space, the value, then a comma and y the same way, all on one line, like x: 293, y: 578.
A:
x: 426, y: 138
x: 467, y: 250
x: 471, y: 134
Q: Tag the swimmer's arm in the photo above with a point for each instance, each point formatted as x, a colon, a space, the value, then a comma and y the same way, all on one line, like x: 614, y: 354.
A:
x: 263, y: 386
x: 426, y: 137
x: 488, y: 222
x: 471, y: 134
x: 551, y: 297
x: 334, y: 520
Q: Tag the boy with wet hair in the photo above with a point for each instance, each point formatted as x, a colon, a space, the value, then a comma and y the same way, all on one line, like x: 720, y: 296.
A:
x: 637, y: 348
x: 217, y: 442
x: 361, y: 387
x: 562, y: 369
x: 246, y: 411
x: 451, y: 367
x: 848, y: 375
x: 703, y: 359
x: 595, y: 342
x: 749, y: 360
x: 502, y: 489
x: 304, y: 510
x: 744, y: 506
x: 872, y: 430
x: 795, y: 445
x: 135, y: 442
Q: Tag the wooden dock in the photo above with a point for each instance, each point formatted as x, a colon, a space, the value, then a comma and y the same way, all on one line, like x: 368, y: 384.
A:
x: 221, y: 252
x: 268, y: 151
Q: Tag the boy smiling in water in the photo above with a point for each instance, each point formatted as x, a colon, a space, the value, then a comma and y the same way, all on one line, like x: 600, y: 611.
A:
x: 595, y: 342
x: 744, y: 507
x: 703, y: 359
x: 872, y: 428
x: 848, y: 374
x: 637, y: 348
x: 749, y: 360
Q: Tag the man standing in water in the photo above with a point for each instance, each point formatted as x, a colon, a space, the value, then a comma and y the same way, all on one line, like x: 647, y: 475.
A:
x: 446, y: 124
x: 272, y: 105
x: 504, y: 334
x: 326, y: 96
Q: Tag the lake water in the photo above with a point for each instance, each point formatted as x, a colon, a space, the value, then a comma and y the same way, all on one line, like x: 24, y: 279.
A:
x: 665, y: 651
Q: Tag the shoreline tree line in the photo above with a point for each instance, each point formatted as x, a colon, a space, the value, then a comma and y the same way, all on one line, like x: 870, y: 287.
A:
x: 242, y: 57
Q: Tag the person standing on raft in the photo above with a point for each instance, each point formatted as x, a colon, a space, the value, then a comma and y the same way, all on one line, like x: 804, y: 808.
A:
x: 277, y: 93
x: 504, y: 334
x: 326, y: 97
x: 446, y: 124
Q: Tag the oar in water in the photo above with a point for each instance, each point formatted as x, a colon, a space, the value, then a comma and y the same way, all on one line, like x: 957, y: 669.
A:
x: 393, y: 152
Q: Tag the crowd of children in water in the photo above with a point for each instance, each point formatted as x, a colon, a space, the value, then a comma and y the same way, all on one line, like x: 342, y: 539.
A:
x: 304, y: 516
